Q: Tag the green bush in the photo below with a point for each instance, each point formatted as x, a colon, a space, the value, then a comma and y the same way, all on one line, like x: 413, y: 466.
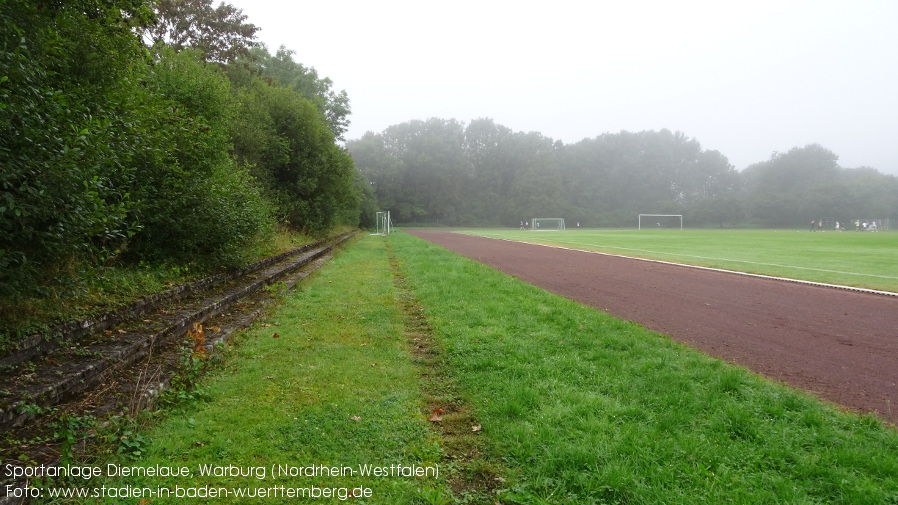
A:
x: 195, y: 205
x: 66, y: 71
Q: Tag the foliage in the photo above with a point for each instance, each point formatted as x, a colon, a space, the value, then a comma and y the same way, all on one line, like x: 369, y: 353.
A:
x: 116, y: 157
x: 195, y: 204
x: 67, y: 70
x: 220, y: 34
x: 284, y: 141
x: 441, y: 171
x: 486, y: 174
x: 290, y: 74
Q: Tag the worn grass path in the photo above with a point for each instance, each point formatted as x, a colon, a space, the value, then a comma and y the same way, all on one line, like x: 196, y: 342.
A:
x: 325, y: 387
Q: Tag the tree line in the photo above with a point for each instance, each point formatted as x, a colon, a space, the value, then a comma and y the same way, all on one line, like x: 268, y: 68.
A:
x: 442, y: 171
x: 158, y: 131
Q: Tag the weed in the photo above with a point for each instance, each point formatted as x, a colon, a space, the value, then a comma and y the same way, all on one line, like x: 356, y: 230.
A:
x: 67, y: 430
x: 131, y: 444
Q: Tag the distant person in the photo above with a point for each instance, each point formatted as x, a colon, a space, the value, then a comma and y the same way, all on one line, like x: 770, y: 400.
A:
x: 658, y: 225
x: 837, y: 226
x: 857, y: 225
x: 820, y: 225
x: 813, y: 225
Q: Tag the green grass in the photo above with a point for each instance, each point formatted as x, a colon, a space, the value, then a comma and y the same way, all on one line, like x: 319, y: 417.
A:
x: 575, y: 406
x: 583, y: 408
x: 847, y: 258
x: 336, y: 387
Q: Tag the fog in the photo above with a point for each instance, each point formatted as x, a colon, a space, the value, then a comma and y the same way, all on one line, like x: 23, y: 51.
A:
x: 746, y: 79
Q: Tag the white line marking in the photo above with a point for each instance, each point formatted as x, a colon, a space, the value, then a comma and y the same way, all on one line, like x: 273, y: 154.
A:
x: 759, y: 276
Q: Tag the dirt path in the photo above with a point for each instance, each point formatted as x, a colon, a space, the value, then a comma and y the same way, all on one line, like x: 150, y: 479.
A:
x: 840, y: 345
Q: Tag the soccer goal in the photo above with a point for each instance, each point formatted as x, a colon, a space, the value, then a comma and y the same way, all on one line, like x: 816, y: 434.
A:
x: 547, y: 223
x: 383, y: 223
x: 666, y: 221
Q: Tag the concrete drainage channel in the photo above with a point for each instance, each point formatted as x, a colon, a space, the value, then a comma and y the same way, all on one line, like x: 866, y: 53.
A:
x: 131, y: 347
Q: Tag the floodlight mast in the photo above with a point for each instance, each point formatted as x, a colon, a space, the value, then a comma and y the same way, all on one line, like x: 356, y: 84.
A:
x: 660, y: 215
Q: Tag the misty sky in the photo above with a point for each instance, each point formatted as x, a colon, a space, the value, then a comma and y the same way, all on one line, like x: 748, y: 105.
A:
x: 745, y: 78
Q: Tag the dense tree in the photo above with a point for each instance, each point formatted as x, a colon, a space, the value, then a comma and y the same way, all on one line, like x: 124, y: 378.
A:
x: 486, y: 174
x: 195, y: 205
x: 67, y: 80
x: 290, y: 74
x: 109, y: 154
x: 791, y: 188
x: 221, y: 34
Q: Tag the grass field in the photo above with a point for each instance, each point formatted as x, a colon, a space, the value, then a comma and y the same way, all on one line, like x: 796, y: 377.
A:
x: 868, y: 260
x: 561, y: 403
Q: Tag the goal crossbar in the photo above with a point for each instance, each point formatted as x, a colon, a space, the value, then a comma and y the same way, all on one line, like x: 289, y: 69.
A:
x: 383, y: 224
x: 547, y: 223
x: 660, y: 215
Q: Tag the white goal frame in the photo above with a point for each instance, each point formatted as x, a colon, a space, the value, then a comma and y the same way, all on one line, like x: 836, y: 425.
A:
x: 547, y: 224
x: 383, y: 223
x: 660, y: 215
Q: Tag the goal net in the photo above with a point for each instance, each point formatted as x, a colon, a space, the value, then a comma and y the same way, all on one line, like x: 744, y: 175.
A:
x: 383, y: 224
x: 547, y: 223
x: 661, y: 221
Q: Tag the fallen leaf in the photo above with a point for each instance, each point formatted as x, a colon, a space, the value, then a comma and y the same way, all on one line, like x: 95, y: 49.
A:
x: 436, y: 415
x: 275, y: 336
x: 147, y: 321
x: 476, y: 427
x: 108, y: 332
x: 356, y: 418
x: 122, y: 332
x: 373, y: 364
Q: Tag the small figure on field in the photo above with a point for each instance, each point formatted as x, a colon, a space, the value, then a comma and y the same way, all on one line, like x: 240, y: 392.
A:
x: 813, y: 225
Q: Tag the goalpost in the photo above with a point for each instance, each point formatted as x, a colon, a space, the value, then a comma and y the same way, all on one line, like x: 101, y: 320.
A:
x: 383, y: 223
x: 658, y: 218
x: 547, y: 224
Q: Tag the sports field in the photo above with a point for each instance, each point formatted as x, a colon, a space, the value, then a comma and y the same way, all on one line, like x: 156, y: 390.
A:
x: 868, y: 260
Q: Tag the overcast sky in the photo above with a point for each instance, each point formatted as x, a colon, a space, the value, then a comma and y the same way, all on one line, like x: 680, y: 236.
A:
x: 746, y: 78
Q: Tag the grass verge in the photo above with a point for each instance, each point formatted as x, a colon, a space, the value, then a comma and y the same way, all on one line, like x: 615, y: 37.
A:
x: 324, y: 388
